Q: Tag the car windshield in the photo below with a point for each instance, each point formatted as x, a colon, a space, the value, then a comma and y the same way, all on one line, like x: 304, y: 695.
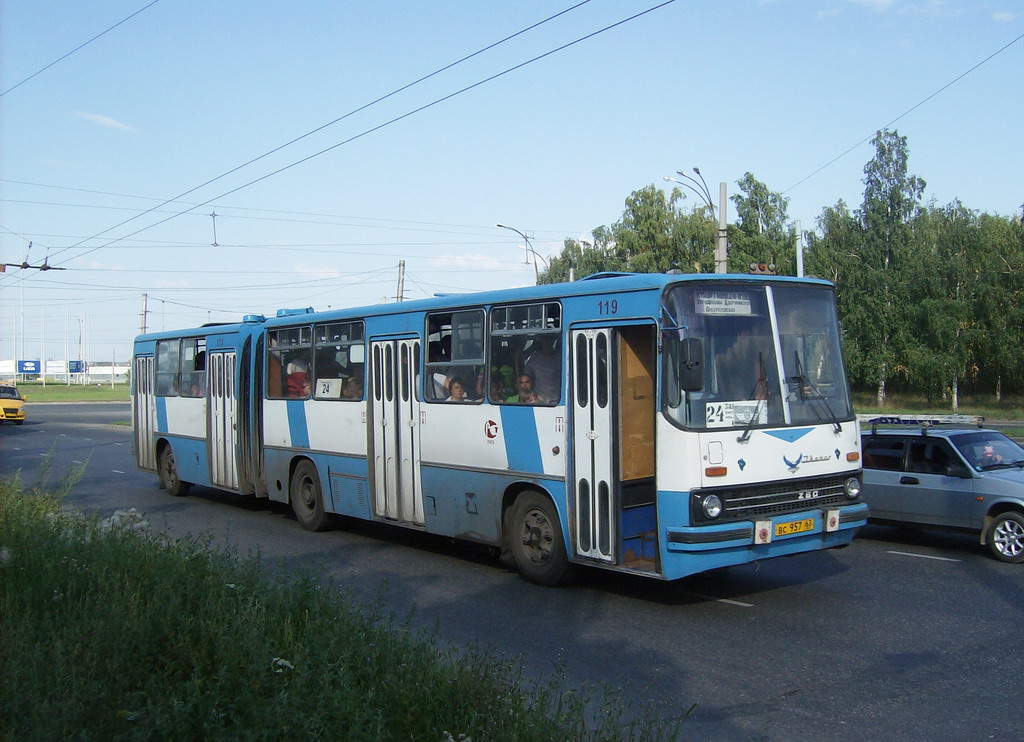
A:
x: 9, y: 392
x: 986, y: 450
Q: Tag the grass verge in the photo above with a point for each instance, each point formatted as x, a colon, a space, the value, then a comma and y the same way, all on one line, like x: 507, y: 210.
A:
x: 109, y: 631
x: 36, y: 392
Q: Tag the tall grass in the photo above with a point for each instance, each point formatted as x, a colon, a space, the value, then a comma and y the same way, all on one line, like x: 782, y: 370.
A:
x: 109, y: 631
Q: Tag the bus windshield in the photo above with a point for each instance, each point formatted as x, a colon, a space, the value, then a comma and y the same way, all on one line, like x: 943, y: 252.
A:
x: 769, y: 356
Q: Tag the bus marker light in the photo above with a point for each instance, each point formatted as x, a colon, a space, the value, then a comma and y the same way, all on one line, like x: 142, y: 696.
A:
x: 716, y: 471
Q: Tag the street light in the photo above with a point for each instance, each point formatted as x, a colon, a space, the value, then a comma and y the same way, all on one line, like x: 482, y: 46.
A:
x: 529, y: 250
x: 700, y: 187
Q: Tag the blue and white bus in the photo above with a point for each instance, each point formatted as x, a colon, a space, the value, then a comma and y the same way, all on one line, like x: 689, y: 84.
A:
x: 660, y: 425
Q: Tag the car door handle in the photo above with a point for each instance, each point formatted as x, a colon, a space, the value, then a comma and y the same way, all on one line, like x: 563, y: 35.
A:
x: 909, y: 480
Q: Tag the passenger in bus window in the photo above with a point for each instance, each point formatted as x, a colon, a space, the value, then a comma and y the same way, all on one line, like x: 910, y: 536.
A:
x: 456, y: 390
x: 353, y: 388
x: 545, y: 367
x: 525, y: 393
x: 297, y: 382
x: 327, y: 367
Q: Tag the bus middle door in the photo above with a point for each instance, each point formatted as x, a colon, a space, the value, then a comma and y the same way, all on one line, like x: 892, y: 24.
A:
x: 594, y: 445
x: 394, y: 410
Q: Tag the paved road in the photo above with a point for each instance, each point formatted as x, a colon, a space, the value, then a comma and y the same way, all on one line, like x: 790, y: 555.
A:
x: 900, y: 636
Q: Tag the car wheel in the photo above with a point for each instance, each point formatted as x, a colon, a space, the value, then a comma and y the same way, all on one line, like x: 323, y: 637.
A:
x: 1006, y: 538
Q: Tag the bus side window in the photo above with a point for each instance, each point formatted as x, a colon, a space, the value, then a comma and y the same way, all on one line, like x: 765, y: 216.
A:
x: 455, y: 368
x: 167, y: 371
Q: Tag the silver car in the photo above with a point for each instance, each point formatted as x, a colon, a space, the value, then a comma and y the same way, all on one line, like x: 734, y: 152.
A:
x: 964, y: 479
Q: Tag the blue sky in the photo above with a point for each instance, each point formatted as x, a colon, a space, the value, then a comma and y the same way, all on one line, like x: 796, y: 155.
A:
x: 187, y: 91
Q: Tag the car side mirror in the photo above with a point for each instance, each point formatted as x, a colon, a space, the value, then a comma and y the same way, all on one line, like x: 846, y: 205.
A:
x: 958, y: 470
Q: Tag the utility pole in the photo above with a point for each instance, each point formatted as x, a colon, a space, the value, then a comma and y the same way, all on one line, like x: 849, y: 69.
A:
x: 145, y: 304
x: 400, y: 295
x: 722, y: 248
x: 799, y: 250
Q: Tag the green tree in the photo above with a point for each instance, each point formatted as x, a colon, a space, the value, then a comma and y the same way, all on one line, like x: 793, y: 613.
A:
x: 763, y: 232
x: 654, y: 235
x: 891, y: 200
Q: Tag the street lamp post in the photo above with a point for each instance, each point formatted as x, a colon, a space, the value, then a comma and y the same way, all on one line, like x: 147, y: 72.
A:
x: 529, y: 250
x: 700, y: 187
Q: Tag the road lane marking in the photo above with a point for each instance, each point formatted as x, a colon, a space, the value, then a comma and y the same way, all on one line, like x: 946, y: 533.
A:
x: 117, y: 471
x: 924, y: 556
x: 723, y: 600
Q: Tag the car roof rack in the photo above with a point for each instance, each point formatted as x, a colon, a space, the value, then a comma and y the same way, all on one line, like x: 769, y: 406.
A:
x: 923, y: 421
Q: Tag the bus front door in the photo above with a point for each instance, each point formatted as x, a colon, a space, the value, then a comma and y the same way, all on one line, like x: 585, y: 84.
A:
x: 594, y: 444
x: 394, y: 410
x: 223, y: 429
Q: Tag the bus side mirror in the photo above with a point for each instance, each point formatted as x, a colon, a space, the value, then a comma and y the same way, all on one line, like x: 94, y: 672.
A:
x: 691, y: 365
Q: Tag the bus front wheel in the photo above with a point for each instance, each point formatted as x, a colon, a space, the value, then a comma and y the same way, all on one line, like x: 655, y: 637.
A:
x: 536, y: 540
x: 170, y: 480
x: 307, y: 498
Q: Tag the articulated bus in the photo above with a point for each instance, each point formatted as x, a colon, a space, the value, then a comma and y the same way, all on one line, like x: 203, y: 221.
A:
x: 660, y: 425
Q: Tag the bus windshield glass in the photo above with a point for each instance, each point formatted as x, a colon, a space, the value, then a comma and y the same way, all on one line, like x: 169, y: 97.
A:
x: 769, y: 356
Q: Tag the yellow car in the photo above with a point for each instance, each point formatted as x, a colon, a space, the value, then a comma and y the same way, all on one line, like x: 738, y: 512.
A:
x: 12, y: 405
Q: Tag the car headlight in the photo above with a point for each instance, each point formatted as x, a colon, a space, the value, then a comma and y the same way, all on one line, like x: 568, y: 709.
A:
x: 852, y: 488
x: 712, y: 506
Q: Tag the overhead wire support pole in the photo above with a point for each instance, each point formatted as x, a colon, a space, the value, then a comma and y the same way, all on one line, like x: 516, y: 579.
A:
x: 529, y: 250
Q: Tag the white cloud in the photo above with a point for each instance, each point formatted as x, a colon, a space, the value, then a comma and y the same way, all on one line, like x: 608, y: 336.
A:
x: 95, y: 118
x: 1004, y: 16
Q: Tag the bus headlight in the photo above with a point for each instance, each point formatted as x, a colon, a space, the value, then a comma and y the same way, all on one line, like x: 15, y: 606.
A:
x: 712, y: 506
x: 852, y: 488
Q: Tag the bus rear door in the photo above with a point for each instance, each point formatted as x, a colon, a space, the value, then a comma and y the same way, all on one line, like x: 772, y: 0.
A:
x: 394, y: 410
x: 222, y: 423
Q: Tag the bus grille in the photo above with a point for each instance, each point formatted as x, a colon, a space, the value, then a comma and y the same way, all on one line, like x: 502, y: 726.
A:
x: 764, y: 501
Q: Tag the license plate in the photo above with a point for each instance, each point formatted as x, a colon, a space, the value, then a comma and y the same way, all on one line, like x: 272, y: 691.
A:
x: 796, y: 526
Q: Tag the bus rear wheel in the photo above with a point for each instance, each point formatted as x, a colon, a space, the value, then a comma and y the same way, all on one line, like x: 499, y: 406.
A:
x: 167, y: 470
x: 536, y: 541
x: 307, y: 498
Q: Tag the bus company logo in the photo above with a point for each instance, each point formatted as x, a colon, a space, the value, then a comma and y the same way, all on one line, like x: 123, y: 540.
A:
x: 793, y: 465
x: 491, y: 430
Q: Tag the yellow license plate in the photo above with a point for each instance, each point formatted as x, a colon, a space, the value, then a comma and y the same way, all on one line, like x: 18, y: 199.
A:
x: 796, y: 526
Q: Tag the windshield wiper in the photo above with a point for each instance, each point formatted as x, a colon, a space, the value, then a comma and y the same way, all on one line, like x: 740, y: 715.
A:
x: 802, y: 382
x: 760, y: 393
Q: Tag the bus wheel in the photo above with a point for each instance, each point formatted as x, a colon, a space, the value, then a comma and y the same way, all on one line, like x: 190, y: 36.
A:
x: 307, y: 499
x: 168, y: 472
x: 536, y: 540
x: 1006, y: 538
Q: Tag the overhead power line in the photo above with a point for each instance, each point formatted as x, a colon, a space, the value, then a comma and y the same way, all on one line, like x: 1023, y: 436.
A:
x: 351, y: 139
x: 330, y: 123
x: 905, y: 113
x: 80, y: 46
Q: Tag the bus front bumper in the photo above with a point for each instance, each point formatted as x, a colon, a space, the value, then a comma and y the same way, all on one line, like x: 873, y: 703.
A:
x: 808, y: 529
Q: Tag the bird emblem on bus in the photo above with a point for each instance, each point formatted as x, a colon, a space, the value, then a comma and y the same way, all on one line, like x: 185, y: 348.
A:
x: 793, y: 465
